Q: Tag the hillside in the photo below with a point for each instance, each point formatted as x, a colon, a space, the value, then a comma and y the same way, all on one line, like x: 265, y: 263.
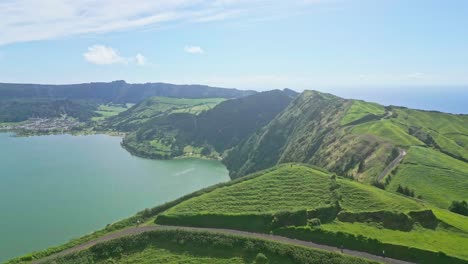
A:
x: 438, y: 178
x: 310, y: 131
x: 303, y: 202
x: 21, y: 110
x: 209, y: 133
x: 153, y: 107
x: 115, y: 92
x: 359, y: 140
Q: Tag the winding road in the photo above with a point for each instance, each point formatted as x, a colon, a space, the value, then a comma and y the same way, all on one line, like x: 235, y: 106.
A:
x: 142, y: 229
x: 392, y: 164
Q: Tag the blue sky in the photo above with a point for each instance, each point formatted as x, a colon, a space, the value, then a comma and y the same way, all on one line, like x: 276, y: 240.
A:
x: 258, y: 44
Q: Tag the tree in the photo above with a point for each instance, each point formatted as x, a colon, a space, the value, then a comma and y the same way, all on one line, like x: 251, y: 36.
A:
x: 459, y: 207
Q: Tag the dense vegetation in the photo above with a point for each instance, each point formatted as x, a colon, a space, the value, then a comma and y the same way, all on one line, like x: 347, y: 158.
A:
x: 459, y: 207
x: 116, y: 92
x: 199, y: 247
x: 22, y: 110
x: 210, y: 132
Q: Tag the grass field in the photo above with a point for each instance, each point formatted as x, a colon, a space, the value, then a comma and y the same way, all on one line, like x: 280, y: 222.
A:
x: 360, y: 109
x: 389, y: 130
x: 157, y: 105
x: 291, y: 187
x: 107, y: 111
x: 438, y: 178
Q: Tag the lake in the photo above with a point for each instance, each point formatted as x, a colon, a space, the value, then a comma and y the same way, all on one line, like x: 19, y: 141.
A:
x: 55, y: 188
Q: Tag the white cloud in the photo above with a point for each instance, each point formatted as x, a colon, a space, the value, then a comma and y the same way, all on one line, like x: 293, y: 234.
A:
x: 31, y: 20
x: 193, y: 49
x: 105, y: 55
x: 101, y: 55
x: 140, y: 59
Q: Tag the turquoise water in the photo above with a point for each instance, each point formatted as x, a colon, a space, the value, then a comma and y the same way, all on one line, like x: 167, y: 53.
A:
x: 55, y: 188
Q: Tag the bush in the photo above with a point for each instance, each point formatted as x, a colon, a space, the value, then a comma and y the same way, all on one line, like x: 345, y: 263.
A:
x: 314, y: 222
x: 325, y: 214
x: 459, y: 207
x: 379, y: 185
x: 248, y: 222
x: 261, y: 259
x: 405, y: 191
x: 390, y: 220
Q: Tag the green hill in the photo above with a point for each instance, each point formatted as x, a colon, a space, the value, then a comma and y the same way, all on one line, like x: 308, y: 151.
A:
x: 309, y: 131
x: 209, y: 133
x: 303, y: 202
x: 359, y: 140
x: 293, y: 187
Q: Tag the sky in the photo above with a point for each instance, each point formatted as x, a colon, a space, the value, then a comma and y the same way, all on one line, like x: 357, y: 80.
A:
x: 332, y: 45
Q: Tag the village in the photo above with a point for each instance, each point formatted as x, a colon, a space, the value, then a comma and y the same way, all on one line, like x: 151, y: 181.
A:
x: 43, y: 125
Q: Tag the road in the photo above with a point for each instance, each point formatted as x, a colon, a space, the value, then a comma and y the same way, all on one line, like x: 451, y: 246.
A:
x: 139, y: 230
x: 392, y: 165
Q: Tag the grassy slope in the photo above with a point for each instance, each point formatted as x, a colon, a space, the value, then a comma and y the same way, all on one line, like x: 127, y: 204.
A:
x: 429, y: 170
x: 388, y: 130
x: 360, y: 109
x: 291, y: 187
x: 450, y: 132
x: 439, y: 178
x: 106, y: 111
x: 300, y: 187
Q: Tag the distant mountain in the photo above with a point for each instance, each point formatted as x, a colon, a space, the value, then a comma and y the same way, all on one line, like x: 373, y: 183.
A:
x: 116, y: 92
x: 21, y: 110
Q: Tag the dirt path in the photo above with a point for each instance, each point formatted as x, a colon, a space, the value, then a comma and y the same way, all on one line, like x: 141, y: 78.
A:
x: 392, y: 165
x: 139, y: 230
